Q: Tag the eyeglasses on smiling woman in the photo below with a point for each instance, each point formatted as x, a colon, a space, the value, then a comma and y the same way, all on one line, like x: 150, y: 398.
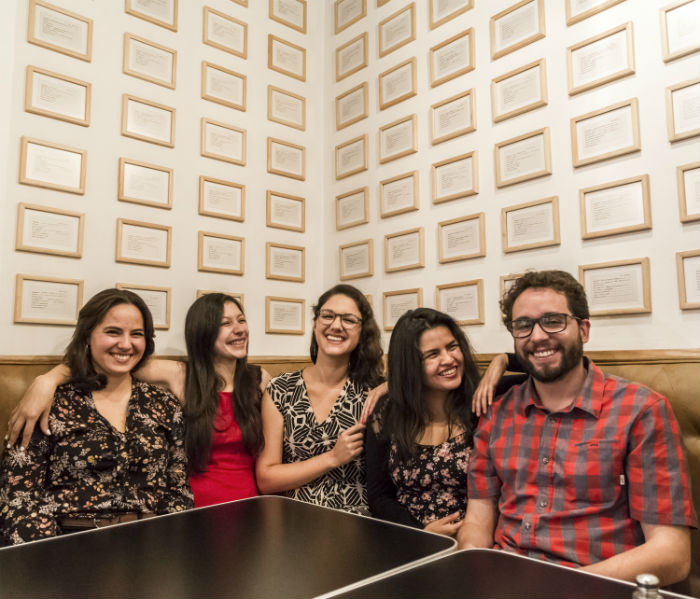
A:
x: 552, y: 322
x: 349, y: 321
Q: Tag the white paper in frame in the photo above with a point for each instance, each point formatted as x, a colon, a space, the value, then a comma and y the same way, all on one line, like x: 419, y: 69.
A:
x: 157, y: 299
x: 286, y: 159
x: 223, y: 86
x: 452, y: 58
x: 530, y: 225
x: 397, y: 30
x: 60, y: 30
x: 522, y: 158
x: 143, y: 243
x: 285, y: 262
x: 441, y: 12
x: 404, y: 250
x: 162, y: 13
x: 516, y: 26
x: 462, y: 238
x: 351, y: 157
x: 286, y: 58
x: 144, y: 183
x: 688, y: 270
x: 463, y: 301
x: 688, y: 182
x: 284, y: 315
x: 683, y: 110
x: 149, y: 61
x: 351, y: 106
x: 286, y: 108
x: 220, y: 253
x: 680, y: 29
x: 348, y: 12
x: 351, y: 57
x: 619, y: 287
x: 57, y: 96
x: 398, y: 194
x: 452, y: 117
x: 398, y: 139
x: 222, y: 141
x: 351, y: 209
x: 396, y: 303
x: 47, y: 300
x: 519, y: 91
x: 455, y: 178
x: 45, y: 230
x: 578, y: 10
x: 285, y: 211
x: 224, y: 32
x: 148, y: 121
x: 356, y: 260
x: 397, y: 83
x: 291, y: 13
x: 221, y: 199
x: 52, y: 166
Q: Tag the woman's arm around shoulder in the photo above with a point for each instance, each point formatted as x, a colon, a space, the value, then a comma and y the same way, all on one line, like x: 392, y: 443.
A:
x: 167, y: 373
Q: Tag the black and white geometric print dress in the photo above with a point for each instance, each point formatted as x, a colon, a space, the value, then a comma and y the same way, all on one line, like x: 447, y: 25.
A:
x: 303, y: 438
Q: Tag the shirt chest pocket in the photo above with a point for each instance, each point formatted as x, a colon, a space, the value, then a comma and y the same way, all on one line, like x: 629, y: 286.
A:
x: 598, y: 472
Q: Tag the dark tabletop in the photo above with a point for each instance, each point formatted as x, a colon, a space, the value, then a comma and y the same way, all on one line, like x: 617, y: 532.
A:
x: 260, y: 547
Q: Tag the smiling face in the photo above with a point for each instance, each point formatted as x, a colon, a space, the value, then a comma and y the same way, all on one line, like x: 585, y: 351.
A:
x: 335, y: 339
x: 548, y: 357
x: 118, y: 342
x: 443, y: 361
x: 232, y: 341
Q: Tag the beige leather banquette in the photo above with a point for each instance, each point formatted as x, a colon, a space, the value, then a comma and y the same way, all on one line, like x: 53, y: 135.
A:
x: 673, y: 373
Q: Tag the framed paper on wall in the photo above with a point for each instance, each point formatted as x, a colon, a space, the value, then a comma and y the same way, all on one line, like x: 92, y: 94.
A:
x: 462, y: 238
x: 47, y: 300
x: 156, y: 298
x: 519, y: 91
x: 60, y: 30
x: 285, y: 211
x: 530, y: 225
x: 144, y: 183
x: 221, y: 199
x: 606, y: 133
x: 158, y: 12
x: 397, y: 83
x: 286, y: 57
x: 683, y: 110
x: 351, y: 106
x: 57, y: 96
x: 506, y: 282
x: 286, y: 159
x: 351, y: 157
x: 578, y: 10
x: 404, y: 250
x: 286, y: 108
x: 148, y: 121
x: 396, y: 303
x: 284, y: 315
x: 688, y: 269
x: 356, y: 260
x: 285, y: 262
x: 620, y: 287
x: 45, y: 230
x: 291, y: 13
x: 347, y: 12
x: 442, y: 11
x: 52, y: 166
x: 397, y: 30
x: 452, y: 117
x: 680, y: 29
x: 143, y: 243
x: 225, y: 33
x: 463, y: 301
x: 223, y: 86
x: 617, y: 207
x: 600, y: 59
x: 241, y: 2
x: 452, y: 58
x: 398, y: 139
x: 149, y: 61
x: 688, y: 181
x: 523, y: 158
x: 398, y: 194
x: 455, y: 178
x: 223, y: 142
x: 516, y: 26
x: 351, y: 57
x: 220, y: 253
x: 352, y: 209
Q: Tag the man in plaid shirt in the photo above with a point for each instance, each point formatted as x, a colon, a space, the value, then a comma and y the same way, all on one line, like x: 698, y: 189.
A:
x: 574, y: 466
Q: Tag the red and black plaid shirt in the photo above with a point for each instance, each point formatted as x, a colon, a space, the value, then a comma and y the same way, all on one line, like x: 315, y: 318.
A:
x: 574, y: 486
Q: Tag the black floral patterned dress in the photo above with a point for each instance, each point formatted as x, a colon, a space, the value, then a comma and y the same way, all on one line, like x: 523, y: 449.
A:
x: 87, y: 468
x: 304, y: 437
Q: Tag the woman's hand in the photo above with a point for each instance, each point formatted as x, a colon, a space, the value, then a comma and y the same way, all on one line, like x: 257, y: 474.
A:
x: 483, y: 396
x: 34, y: 405
x: 373, y: 396
x: 349, y: 444
x: 448, y: 526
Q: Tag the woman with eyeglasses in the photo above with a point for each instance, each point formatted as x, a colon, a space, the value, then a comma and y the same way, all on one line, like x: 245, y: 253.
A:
x: 312, y: 418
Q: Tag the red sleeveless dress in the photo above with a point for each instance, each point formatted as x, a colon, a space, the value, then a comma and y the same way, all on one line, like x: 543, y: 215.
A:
x: 230, y: 473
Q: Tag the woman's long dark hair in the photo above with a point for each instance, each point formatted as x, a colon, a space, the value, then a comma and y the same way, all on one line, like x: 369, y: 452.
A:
x: 202, y: 384
x: 78, y: 357
x: 365, y: 366
x: 404, y: 416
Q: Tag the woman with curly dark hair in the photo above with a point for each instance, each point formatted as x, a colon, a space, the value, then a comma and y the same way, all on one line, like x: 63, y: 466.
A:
x: 312, y: 418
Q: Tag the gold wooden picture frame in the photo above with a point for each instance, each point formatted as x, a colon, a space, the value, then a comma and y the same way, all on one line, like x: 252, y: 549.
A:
x: 141, y: 54
x: 57, y: 96
x: 534, y: 148
x: 353, y: 52
x: 574, y: 17
x: 286, y: 108
x: 52, y: 166
x: 396, y: 303
x: 356, y: 260
x: 285, y: 262
x: 138, y: 242
x: 136, y: 8
x: 219, y: 253
x: 352, y: 209
x: 510, y: 95
x: 404, y: 250
x: 455, y: 178
x: 462, y: 238
x: 217, y: 140
x: 218, y: 29
x: 398, y: 194
x: 452, y: 117
x: 284, y: 315
x: 47, y: 230
x: 403, y: 20
x: 283, y: 11
x: 687, y: 265
x: 530, y: 225
x: 286, y: 159
x: 145, y: 183
x: 60, y: 30
x: 223, y: 86
x: 682, y: 119
x: 156, y: 298
x: 47, y: 300
x: 463, y: 301
x: 506, y: 282
x: 347, y: 12
x: 671, y: 17
x: 284, y: 211
x: 403, y: 131
x: 627, y: 115
x: 148, y: 121
x: 401, y: 79
x: 503, y: 22
x: 614, y: 208
x: 438, y: 18
x: 617, y: 287
x: 286, y: 58
x: 688, y: 181
x: 351, y: 157
x: 456, y: 63
x: 352, y: 106
x: 221, y: 199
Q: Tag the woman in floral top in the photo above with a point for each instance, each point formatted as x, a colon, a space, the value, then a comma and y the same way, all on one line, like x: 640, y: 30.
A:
x: 116, y: 449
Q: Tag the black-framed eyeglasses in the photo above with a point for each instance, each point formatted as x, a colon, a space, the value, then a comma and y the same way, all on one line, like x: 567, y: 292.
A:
x: 552, y: 322
x: 349, y: 321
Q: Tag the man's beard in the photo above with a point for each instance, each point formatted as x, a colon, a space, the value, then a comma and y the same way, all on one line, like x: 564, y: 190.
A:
x: 571, y: 358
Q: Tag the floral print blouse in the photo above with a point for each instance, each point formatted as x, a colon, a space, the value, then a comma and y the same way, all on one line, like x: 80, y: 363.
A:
x: 88, y: 468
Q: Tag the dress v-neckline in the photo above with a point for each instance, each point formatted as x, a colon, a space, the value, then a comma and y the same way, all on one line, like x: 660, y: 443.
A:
x: 310, y: 407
